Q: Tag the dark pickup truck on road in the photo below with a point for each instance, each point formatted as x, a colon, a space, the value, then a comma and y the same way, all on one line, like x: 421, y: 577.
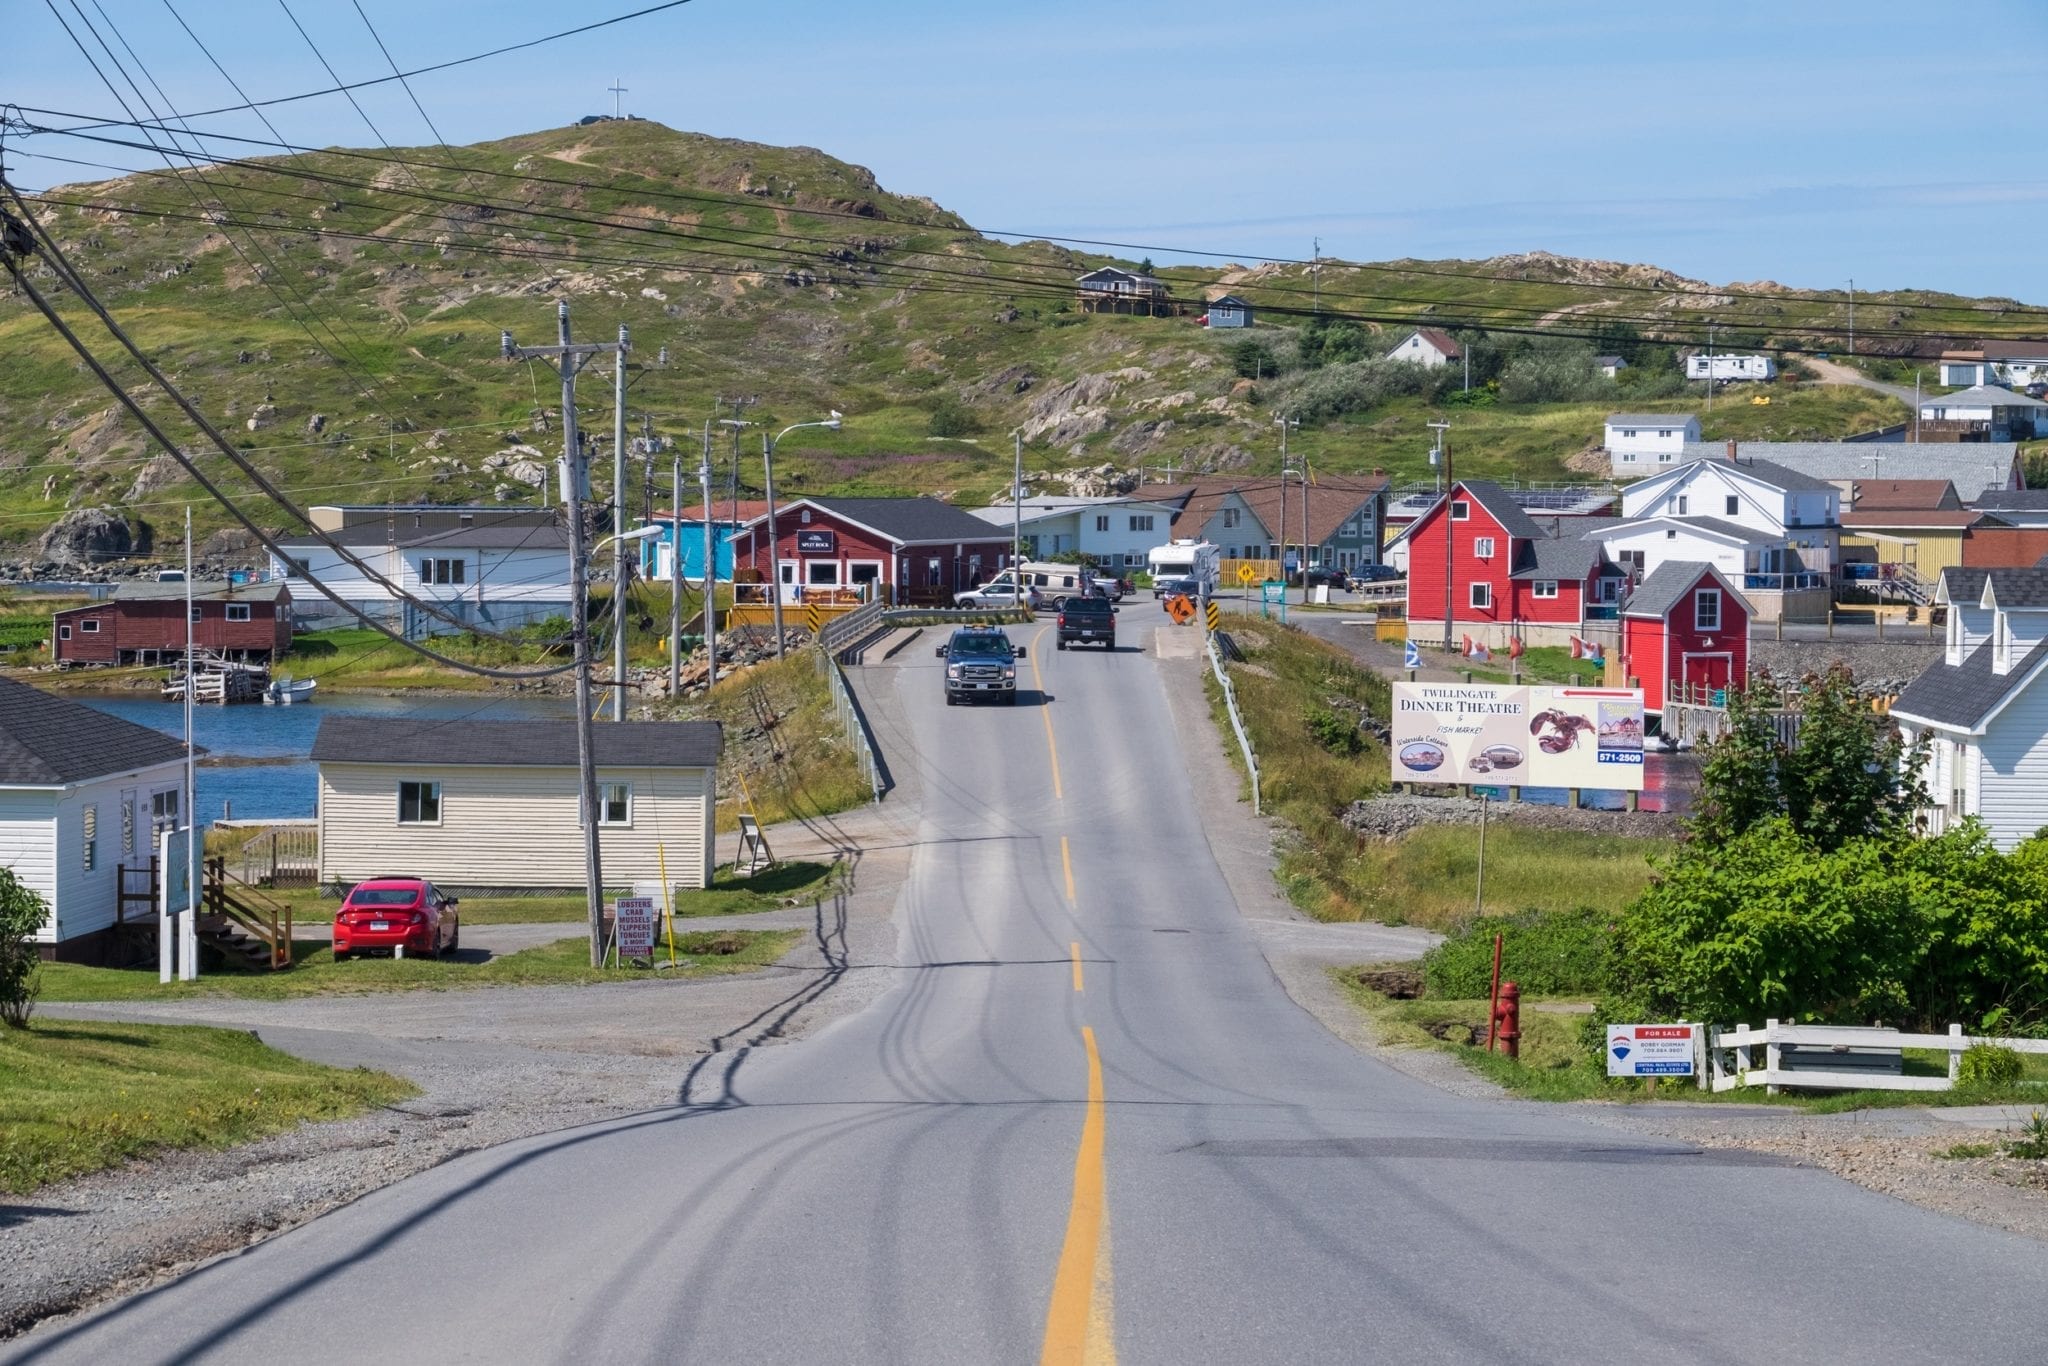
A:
x: 1087, y: 620
x: 980, y: 662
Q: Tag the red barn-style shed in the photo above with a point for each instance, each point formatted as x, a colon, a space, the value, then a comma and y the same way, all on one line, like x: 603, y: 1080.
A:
x: 917, y: 549
x: 144, y: 623
x: 1685, y: 635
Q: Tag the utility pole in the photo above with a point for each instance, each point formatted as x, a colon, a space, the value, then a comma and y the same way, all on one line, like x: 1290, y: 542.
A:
x: 1852, y: 315
x: 571, y: 358
x: 619, y: 571
x: 1916, y: 407
x: 710, y: 569
x: 675, y: 572
x: 1017, y: 517
x: 1315, y: 275
x: 1443, y: 430
x: 1285, y: 423
x: 1710, y: 367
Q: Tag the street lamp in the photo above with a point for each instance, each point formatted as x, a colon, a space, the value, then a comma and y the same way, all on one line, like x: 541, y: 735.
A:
x: 768, y: 444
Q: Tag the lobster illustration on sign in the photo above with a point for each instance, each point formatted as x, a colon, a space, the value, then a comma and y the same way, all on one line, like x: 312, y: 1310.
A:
x: 1563, y: 728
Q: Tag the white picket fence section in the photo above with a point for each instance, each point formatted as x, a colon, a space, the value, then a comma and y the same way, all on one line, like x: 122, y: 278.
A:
x: 1731, y: 1056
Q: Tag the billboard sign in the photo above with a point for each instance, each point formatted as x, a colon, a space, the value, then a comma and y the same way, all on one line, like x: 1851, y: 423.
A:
x: 1522, y: 736
x: 1641, y: 1050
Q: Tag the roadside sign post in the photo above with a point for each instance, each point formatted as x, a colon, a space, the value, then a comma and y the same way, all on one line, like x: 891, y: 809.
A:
x: 1212, y: 616
x: 813, y: 618
x: 1650, y: 1050
x: 177, y: 929
x: 633, y: 927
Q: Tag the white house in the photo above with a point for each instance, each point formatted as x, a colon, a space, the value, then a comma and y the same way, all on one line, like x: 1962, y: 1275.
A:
x: 1431, y: 346
x: 1983, y: 707
x: 1730, y: 367
x: 81, y: 794
x: 497, y: 804
x: 1987, y: 412
x: 1610, y: 366
x: 1784, y: 526
x: 1119, y: 532
x: 485, y: 566
x: 1639, y: 442
x: 2016, y: 364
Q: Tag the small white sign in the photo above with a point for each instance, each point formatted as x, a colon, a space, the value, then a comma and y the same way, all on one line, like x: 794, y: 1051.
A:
x: 1645, y: 1050
x: 633, y: 921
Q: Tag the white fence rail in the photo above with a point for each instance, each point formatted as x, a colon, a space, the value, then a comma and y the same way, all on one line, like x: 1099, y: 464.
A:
x: 852, y: 722
x: 1819, y: 1056
x: 1244, y: 740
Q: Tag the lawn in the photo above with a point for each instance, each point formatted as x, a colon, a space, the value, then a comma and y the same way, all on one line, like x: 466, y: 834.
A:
x: 1555, y: 1063
x: 1429, y: 876
x: 785, y: 884
x: 77, y: 1096
x: 703, y: 953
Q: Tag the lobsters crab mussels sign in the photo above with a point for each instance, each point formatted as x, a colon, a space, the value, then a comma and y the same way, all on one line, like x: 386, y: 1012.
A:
x: 1528, y: 736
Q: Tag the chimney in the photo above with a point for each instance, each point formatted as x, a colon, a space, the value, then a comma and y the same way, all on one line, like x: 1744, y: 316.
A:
x: 1731, y: 450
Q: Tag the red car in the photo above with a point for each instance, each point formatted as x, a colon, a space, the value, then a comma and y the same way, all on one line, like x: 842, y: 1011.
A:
x: 386, y: 912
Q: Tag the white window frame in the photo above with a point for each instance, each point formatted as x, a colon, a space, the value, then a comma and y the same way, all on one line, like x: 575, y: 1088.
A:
x: 605, y: 792
x: 1543, y: 588
x: 89, y: 626
x: 64, y: 630
x: 198, y: 612
x: 1461, y: 510
x: 1482, y: 547
x: 1681, y: 503
x: 238, y: 611
x: 1141, y: 521
x: 1699, y: 603
x: 420, y: 803
x: 1480, y: 595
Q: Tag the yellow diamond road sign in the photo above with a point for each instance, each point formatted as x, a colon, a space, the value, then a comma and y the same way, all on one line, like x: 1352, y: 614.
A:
x: 1215, y: 616
x: 1247, y: 573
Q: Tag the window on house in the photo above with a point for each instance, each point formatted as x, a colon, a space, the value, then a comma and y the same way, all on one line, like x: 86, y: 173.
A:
x: 1706, y: 610
x: 1482, y: 595
x: 1734, y: 504
x: 90, y: 828
x: 1141, y: 521
x: 63, y: 633
x: 1230, y: 517
x: 441, y: 571
x: 1664, y: 458
x: 1683, y: 501
x: 238, y: 611
x: 1482, y: 546
x: 615, y: 804
x: 163, y: 810
x: 1544, y: 588
x: 1102, y: 523
x: 1670, y: 535
x: 1628, y: 458
x: 1628, y: 431
x: 822, y: 573
x: 198, y: 612
x: 1460, y: 510
x: 1132, y: 560
x: 419, y: 803
x: 91, y: 626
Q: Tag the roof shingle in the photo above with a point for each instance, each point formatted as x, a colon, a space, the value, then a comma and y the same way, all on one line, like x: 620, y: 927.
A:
x: 515, y: 744
x: 48, y: 741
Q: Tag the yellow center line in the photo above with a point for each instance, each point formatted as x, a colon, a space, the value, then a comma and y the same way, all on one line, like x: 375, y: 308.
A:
x: 1078, y: 1326
x: 1045, y: 712
x: 1067, y: 866
x: 1075, y: 949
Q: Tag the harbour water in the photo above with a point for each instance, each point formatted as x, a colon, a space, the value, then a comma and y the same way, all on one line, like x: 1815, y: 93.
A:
x: 257, y: 761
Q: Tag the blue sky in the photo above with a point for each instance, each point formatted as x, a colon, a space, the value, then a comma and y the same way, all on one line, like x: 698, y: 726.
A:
x: 1805, y: 142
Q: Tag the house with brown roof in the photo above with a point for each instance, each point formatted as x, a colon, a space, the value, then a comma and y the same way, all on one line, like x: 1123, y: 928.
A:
x: 2014, y: 364
x: 1260, y: 518
x: 1898, y: 535
x: 1115, y: 290
x: 1431, y: 346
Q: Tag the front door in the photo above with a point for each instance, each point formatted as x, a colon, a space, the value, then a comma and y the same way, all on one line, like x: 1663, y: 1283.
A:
x: 1706, y: 672
x: 786, y: 579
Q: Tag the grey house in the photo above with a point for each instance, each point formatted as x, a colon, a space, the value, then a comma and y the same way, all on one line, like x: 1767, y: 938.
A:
x: 1229, y: 311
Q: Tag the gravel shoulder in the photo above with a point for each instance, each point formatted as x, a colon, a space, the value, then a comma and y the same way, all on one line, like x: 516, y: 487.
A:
x: 492, y: 1065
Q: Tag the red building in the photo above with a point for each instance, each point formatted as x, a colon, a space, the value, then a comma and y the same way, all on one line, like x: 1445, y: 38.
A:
x: 916, y: 549
x: 1508, y: 579
x: 144, y: 623
x: 1685, y: 636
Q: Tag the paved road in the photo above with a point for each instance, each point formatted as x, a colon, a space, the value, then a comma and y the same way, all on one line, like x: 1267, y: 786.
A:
x: 1089, y: 1123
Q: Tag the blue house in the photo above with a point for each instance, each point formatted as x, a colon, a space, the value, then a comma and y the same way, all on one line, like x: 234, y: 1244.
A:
x: 656, y: 551
x: 1229, y: 311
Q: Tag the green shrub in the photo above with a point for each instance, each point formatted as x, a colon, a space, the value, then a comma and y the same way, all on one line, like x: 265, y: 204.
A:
x: 1335, y: 733
x: 950, y: 417
x: 1253, y: 358
x: 1547, y: 952
x: 22, y: 913
x: 1987, y: 1067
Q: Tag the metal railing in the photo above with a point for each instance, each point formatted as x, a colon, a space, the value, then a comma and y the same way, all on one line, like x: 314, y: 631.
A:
x: 852, y: 722
x: 842, y: 631
x: 1786, y: 583
x: 1244, y: 740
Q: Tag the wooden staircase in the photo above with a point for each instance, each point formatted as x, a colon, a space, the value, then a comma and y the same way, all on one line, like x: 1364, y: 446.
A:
x: 243, y: 922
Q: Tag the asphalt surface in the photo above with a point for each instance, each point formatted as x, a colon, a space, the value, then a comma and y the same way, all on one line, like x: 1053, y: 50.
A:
x: 945, y: 1177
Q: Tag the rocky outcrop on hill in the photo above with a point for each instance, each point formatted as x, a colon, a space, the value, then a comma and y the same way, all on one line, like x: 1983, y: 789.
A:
x: 89, y: 536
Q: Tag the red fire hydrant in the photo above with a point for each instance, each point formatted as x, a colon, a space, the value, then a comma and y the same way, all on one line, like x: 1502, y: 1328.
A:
x: 1507, y: 1019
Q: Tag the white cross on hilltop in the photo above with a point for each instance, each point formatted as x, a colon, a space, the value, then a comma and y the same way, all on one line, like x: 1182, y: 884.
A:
x: 617, y: 90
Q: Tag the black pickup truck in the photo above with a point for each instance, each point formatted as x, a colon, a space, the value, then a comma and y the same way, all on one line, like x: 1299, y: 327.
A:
x: 980, y: 662
x: 1089, y: 620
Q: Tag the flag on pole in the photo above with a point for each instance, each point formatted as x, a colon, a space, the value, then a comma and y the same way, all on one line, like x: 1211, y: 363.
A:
x: 1515, y: 648
x: 1578, y: 648
x: 1411, y: 656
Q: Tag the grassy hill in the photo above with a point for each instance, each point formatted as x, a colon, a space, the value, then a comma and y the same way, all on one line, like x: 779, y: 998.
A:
x: 374, y: 290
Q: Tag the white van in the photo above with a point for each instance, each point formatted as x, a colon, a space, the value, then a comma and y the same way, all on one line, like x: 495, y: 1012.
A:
x: 1053, y: 583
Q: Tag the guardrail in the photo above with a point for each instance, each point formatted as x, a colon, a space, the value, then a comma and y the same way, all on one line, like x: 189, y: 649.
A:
x: 852, y: 722
x: 1815, y: 1045
x: 1244, y: 740
x: 842, y: 631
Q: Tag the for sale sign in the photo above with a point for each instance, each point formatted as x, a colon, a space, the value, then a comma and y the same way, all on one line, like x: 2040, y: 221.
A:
x: 633, y: 919
x: 1645, y: 1050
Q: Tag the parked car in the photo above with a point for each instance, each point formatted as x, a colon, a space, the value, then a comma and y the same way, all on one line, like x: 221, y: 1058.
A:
x: 2038, y: 389
x: 1113, y: 587
x: 1087, y: 621
x: 1166, y: 588
x: 386, y: 912
x: 1324, y: 574
x: 1372, y: 573
x: 980, y: 662
x: 999, y: 595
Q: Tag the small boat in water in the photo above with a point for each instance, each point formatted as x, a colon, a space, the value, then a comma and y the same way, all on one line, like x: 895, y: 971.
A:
x: 286, y: 690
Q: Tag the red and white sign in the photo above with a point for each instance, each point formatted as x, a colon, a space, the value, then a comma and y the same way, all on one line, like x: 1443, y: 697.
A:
x: 633, y: 923
x: 1644, y: 1050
